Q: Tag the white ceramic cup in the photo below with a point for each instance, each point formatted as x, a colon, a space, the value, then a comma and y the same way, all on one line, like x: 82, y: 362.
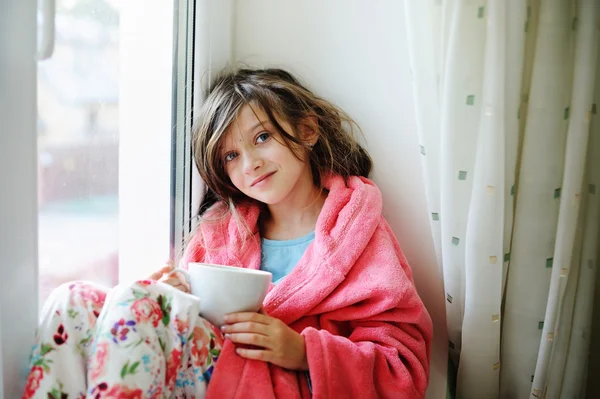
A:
x: 226, y: 289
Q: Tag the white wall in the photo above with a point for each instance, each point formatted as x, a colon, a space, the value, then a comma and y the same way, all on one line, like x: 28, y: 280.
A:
x: 354, y: 52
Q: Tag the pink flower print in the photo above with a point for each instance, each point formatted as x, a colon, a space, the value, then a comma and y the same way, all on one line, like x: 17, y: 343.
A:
x: 147, y: 310
x: 100, y: 356
x: 146, y: 282
x: 91, y: 297
x: 200, y: 343
x: 33, y: 381
x: 173, y: 364
x: 123, y: 392
x: 182, y: 326
x: 96, y: 298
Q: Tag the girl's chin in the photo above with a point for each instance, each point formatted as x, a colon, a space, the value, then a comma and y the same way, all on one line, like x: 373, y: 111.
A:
x: 268, y: 199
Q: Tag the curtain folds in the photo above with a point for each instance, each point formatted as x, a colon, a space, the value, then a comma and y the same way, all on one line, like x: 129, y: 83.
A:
x: 506, y: 95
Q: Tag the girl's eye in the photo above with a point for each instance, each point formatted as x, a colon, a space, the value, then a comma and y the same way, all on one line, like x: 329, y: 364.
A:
x: 230, y: 156
x: 263, y: 137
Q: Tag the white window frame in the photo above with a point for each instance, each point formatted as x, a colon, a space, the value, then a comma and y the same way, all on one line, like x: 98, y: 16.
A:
x: 213, y: 51
x: 182, y: 118
x: 202, y: 53
x: 147, y: 161
x: 18, y: 202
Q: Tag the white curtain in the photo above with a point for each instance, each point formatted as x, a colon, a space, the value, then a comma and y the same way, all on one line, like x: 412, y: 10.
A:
x: 505, y: 100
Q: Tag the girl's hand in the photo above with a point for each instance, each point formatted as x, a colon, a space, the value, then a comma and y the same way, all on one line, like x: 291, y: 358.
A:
x: 168, y: 276
x: 281, y: 345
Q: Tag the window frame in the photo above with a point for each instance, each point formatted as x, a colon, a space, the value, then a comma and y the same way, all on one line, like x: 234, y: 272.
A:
x: 19, y: 288
x: 182, y: 169
x: 18, y: 206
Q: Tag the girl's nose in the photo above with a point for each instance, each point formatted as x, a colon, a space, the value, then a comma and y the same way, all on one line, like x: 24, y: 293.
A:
x: 251, y: 163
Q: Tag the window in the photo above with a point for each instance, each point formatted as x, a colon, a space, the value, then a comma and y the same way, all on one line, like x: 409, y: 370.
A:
x: 114, y: 110
x: 78, y: 147
x: 105, y: 105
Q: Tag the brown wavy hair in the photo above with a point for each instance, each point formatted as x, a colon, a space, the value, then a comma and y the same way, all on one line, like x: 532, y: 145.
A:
x: 280, y: 94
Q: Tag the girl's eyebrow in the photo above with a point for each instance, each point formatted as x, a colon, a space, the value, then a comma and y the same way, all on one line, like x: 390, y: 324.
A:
x: 259, y: 123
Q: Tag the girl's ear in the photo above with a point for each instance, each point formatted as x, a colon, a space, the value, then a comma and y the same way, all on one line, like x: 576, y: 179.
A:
x: 309, y: 129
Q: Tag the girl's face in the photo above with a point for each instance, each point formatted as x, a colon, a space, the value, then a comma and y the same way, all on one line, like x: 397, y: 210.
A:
x: 258, y: 161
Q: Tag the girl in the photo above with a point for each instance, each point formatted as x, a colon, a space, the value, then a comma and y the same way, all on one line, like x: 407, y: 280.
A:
x: 286, y: 191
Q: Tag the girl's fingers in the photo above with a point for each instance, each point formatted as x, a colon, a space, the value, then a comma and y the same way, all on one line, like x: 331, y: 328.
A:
x: 255, y: 354
x: 183, y: 286
x: 173, y: 280
x: 249, y: 339
x: 187, y: 287
x: 158, y: 274
x: 233, y: 318
x: 170, y: 275
x: 246, y: 327
x: 180, y: 276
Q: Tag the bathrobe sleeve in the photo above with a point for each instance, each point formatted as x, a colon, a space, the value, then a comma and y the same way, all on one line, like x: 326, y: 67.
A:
x: 383, y: 348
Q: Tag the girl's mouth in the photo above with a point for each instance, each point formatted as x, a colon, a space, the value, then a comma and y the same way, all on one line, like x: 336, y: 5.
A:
x: 261, y: 178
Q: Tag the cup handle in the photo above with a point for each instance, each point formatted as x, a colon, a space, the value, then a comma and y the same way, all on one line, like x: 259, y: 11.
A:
x: 184, y: 272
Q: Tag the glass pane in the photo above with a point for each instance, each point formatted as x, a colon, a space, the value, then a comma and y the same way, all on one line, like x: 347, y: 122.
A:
x: 78, y: 144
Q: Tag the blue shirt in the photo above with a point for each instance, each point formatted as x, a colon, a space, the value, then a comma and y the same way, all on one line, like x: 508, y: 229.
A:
x: 281, y: 256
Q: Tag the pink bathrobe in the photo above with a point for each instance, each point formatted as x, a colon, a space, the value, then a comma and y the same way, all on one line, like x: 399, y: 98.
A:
x: 351, y: 296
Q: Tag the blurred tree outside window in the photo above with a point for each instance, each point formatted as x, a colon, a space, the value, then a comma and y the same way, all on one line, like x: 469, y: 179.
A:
x: 78, y: 147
